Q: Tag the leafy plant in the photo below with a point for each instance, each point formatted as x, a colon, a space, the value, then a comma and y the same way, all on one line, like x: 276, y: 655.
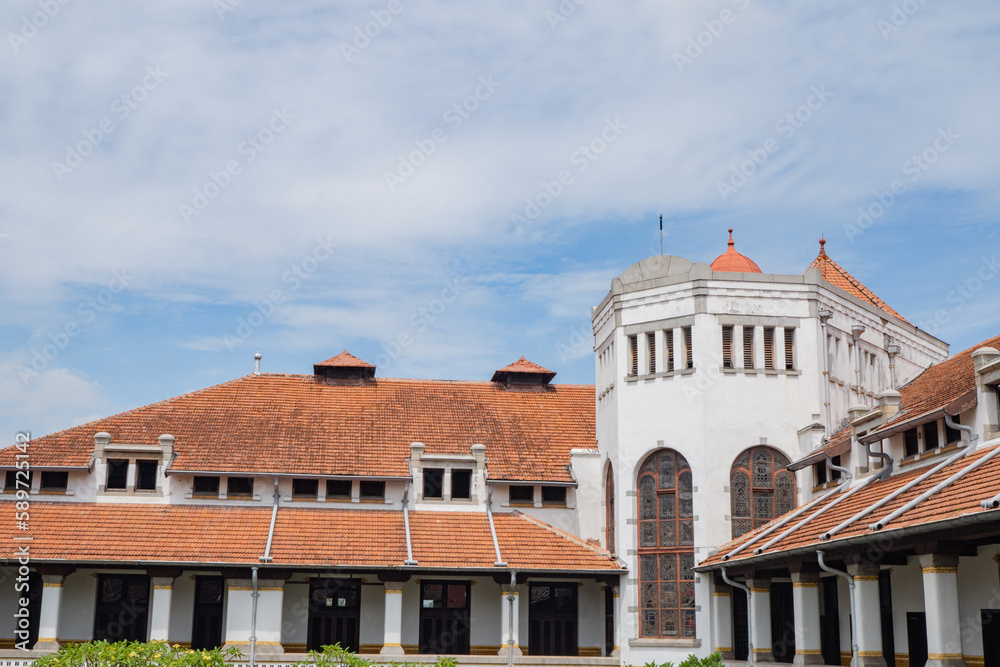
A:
x: 136, y: 654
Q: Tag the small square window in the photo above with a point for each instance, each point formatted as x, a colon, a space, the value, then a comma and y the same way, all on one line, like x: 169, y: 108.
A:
x: 372, y: 490
x: 338, y: 488
x: 117, y: 474
x: 522, y: 493
x: 145, y: 475
x: 14, y: 483
x: 461, y: 484
x: 910, y: 442
x: 206, y: 486
x: 433, y: 482
x: 239, y: 487
x: 930, y: 436
x: 305, y: 488
x: 553, y: 495
x: 820, y: 470
x: 54, y: 481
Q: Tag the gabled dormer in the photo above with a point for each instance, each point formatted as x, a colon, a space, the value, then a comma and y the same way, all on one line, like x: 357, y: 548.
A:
x: 344, y: 369
x: 523, y: 375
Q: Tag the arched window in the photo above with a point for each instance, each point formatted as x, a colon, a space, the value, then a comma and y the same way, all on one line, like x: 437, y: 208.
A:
x: 666, y: 546
x: 609, y: 495
x: 761, y: 488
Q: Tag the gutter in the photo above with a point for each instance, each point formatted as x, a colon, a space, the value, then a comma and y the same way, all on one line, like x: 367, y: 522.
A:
x: 964, y: 402
x: 493, y: 530
x: 406, y: 525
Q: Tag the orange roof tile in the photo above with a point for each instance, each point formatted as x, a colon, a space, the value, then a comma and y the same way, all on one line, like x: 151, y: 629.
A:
x: 734, y: 261
x: 344, y: 360
x: 834, y: 274
x: 298, y: 424
x: 92, y: 532
x: 522, y: 365
x: 960, y: 498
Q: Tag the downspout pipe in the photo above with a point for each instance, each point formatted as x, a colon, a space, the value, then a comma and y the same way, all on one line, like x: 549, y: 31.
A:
x: 745, y: 589
x: 511, y: 600
x: 854, y: 615
x: 841, y: 469
x: 973, y: 438
x: 824, y: 318
x: 886, y: 467
x: 406, y: 525
x: 493, y: 530
x: 253, y: 615
x: 266, y: 558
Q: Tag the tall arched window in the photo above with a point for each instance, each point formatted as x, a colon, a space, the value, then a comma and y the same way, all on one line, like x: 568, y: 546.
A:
x: 761, y: 488
x: 609, y: 502
x: 666, y: 546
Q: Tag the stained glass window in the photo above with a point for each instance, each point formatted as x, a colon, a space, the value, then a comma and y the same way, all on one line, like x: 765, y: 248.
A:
x: 666, y: 546
x: 761, y: 488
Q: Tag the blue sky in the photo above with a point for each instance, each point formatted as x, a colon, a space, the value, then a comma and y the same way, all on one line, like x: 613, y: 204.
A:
x: 443, y: 187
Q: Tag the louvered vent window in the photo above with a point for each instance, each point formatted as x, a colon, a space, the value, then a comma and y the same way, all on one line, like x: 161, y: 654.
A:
x: 769, y: 348
x: 651, y: 341
x: 668, y: 341
x: 688, y: 351
x: 727, y: 347
x: 747, y: 347
x: 789, y: 349
x: 633, y: 351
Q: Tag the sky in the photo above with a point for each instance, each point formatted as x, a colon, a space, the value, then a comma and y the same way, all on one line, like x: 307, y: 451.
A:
x: 442, y: 187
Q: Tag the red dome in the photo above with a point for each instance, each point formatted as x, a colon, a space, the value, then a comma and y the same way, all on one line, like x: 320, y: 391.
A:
x: 734, y: 261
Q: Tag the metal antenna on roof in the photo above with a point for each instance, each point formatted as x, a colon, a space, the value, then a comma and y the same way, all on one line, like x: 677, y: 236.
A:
x: 661, y: 235
x: 256, y: 362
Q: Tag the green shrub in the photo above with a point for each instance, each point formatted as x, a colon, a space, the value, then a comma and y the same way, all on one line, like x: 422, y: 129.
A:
x: 136, y: 654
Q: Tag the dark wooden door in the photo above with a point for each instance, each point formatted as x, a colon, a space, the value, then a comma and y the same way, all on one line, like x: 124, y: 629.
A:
x: 444, y: 617
x: 916, y: 637
x: 553, y: 619
x: 741, y: 625
x: 829, y: 622
x: 991, y: 637
x: 334, y: 614
x: 782, y: 622
x: 34, y: 607
x: 206, y: 631
x: 609, y: 620
x: 885, y: 612
x: 122, y: 607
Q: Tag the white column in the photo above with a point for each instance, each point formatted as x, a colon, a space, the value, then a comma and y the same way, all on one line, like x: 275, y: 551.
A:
x: 507, y: 637
x: 868, y: 623
x: 722, y: 620
x: 392, y: 644
x: 239, y: 612
x: 760, y: 607
x: 48, y: 616
x: 159, y: 608
x: 805, y: 602
x: 944, y: 632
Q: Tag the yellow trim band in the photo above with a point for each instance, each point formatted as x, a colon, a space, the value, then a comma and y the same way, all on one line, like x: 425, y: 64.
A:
x: 163, y: 588
x: 870, y: 654
x: 720, y: 594
x: 939, y: 570
x: 44, y: 585
x: 805, y: 584
x: 944, y: 656
x: 394, y: 591
x: 808, y: 651
x: 760, y: 590
x: 723, y: 648
x: 392, y: 645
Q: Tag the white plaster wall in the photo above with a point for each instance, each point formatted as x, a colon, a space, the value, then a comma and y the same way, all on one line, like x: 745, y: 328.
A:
x: 844, y: 607
x: 978, y: 589
x: 411, y: 612
x: 907, y: 595
x: 295, y: 613
x: 591, y: 615
x: 484, y: 613
x: 182, y: 608
x: 588, y: 496
x: 373, y: 614
x: 76, y: 618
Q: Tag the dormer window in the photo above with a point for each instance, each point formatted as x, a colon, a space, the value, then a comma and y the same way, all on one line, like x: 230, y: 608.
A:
x: 930, y: 436
x: 54, y: 481
x: 117, y: 474
x: 522, y: 494
x: 13, y: 483
x: 338, y: 489
x: 524, y: 375
x: 305, y: 489
x: 204, y: 485
x: 433, y: 483
x: 239, y: 487
x: 910, y: 443
x: 145, y: 475
x: 371, y: 490
x: 554, y: 495
x: 461, y: 484
x: 344, y: 369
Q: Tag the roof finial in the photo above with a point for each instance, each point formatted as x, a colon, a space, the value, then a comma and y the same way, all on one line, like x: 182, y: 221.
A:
x: 731, y: 237
x: 256, y: 362
x: 822, y: 244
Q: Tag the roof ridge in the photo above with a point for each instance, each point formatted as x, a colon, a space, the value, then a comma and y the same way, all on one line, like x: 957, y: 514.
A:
x: 866, y: 292
x: 562, y: 533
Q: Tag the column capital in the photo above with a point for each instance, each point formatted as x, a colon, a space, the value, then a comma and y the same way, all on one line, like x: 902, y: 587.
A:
x: 53, y: 580
x: 945, y: 562
x: 394, y: 586
x: 759, y: 584
x: 162, y: 582
x: 806, y: 579
x: 863, y: 570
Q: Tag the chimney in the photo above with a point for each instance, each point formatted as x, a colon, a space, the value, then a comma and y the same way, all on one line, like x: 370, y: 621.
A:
x: 888, y: 403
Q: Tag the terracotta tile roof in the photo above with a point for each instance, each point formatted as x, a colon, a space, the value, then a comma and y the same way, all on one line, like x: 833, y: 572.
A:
x: 940, y: 384
x: 93, y: 532
x: 344, y: 360
x: 731, y: 260
x: 289, y: 424
x: 834, y: 274
x: 960, y: 498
